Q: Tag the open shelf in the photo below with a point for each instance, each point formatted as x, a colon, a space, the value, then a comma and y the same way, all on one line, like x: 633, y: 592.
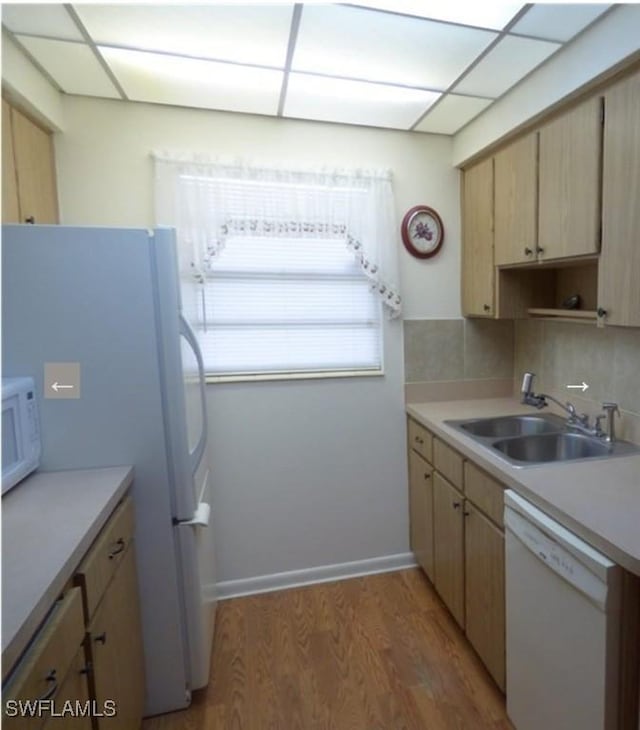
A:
x: 564, y: 315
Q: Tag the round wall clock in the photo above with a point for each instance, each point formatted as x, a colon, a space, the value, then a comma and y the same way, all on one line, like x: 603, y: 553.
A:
x: 422, y: 232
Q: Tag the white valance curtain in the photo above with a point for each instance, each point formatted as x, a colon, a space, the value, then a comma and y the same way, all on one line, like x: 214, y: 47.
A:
x: 208, y: 201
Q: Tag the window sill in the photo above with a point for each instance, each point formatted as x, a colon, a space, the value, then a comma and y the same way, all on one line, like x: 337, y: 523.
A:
x: 265, y: 377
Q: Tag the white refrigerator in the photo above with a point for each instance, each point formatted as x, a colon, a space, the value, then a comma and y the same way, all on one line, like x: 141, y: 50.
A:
x: 109, y: 300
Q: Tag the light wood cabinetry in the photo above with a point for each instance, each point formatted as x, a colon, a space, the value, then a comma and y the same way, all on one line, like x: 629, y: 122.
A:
x: 87, y: 659
x: 48, y: 666
x: 457, y: 536
x: 484, y: 590
x: 619, y: 272
x: 109, y: 586
x: 570, y: 156
x: 478, y: 271
x: 420, y: 440
x: 448, y: 532
x: 516, y: 202
x: 28, y: 170
x: 421, y: 511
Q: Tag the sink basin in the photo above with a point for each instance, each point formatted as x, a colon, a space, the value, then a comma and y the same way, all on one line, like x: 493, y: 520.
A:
x: 507, y: 426
x: 543, y: 448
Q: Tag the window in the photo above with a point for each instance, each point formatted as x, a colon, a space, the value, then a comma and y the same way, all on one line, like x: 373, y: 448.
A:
x: 277, y: 279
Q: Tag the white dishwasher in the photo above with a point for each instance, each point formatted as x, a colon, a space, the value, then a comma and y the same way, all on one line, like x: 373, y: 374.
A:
x: 562, y: 609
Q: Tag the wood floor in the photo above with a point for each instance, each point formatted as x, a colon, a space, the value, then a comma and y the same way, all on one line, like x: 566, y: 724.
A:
x: 373, y: 653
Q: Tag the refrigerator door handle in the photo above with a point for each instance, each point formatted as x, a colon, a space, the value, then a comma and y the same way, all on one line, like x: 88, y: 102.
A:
x: 190, y: 337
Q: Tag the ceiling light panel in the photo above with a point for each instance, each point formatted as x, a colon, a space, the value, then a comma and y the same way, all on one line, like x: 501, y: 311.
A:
x: 243, y: 34
x: 354, y: 102
x: 43, y: 20
x: 72, y: 65
x: 493, y: 15
x: 558, y: 22
x: 511, y: 59
x: 162, y: 79
x: 368, y: 45
x: 452, y: 113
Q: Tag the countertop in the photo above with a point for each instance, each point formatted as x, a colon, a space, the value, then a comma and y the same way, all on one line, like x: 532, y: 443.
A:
x: 48, y: 523
x: 598, y: 499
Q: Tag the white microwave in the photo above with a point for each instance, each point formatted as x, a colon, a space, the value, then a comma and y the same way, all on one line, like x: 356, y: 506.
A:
x: 21, y: 446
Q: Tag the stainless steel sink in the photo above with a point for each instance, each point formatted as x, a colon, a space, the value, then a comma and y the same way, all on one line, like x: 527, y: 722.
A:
x: 527, y: 440
x: 542, y: 448
x: 507, y: 426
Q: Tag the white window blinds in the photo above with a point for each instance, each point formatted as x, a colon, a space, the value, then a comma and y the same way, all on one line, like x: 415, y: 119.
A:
x: 274, y: 279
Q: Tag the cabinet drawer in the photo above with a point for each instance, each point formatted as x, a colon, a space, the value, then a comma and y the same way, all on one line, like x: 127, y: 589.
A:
x: 485, y: 492
x: 97, y: 569
x: 420, y: 440
x: 448, y: 462
x: 46, y: 664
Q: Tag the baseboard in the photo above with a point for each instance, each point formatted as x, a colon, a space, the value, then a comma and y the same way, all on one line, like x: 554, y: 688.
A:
x: 308, y: 576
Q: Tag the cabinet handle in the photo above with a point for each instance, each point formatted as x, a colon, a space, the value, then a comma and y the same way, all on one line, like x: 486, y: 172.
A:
x: 528, y: 251
x: 539, y: 249
x: 418, y: 440
x: 427, y: 475
x: 51, y: 677
x: 30, y: 219
x: 456, y: 505
x: 101, y: 638
x: 487, y: 307
x: 601, y: 312
x: 117, y: 550
x: 466, y: 514
x: 86, y: 669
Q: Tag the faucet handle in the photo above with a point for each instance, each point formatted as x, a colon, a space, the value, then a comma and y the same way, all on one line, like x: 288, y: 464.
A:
x: 611, y: 407
x: 598, y: 427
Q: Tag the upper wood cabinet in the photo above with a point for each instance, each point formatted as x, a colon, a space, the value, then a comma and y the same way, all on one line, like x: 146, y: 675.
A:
x: 478, y: 271
x: 516, y: 201
x: 570, y: 155
x: 29, y: 192
x: 619, y: 271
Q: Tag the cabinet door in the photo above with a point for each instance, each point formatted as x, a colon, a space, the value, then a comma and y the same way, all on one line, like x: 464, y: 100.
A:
x: 477, y: 240
x: 421, y: 511
x: 484, y: 591
x: 73, y: 694
x: 619, y: 268
x: 448, y: 531
x: 516, y: 202
x: 570, y: 157
x: 35, y: 168
x: 10, y: 208
x: 116, y: 650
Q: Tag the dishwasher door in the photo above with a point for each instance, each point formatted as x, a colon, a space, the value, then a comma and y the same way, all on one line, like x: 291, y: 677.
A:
x: 562, y: 610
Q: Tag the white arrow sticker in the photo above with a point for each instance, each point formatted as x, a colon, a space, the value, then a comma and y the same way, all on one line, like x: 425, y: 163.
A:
x: 583, y: 386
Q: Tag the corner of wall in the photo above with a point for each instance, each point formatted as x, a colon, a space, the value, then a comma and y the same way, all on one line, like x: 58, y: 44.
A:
x: 26, y: 86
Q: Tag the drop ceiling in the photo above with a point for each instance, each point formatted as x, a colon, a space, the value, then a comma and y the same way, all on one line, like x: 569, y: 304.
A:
x: 402, y: 64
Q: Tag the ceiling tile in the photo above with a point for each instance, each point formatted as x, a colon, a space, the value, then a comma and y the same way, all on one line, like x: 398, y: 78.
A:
x: 451, y: 113
x: 253, y: 35
x: 558, y: 22
x: 354, y: 102
x: 510, y: 60
x: 45, y: 20
x: 73, y: 66
x: 369, y: 45
x: 180, y: 81
x: 493, y: 15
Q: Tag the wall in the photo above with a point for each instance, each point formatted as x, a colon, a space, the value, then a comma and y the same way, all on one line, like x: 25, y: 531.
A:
x: 606, y: 359
x: 308, y: 473
x: 590, y: 55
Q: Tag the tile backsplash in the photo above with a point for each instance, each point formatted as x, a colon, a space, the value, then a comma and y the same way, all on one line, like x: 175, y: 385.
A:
x: 561, y: 354
x: 466, y: 358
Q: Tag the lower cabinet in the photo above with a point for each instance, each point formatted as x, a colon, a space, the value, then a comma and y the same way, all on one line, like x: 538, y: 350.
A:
x: 458, y: 539
x: 448, y: 530
x: 484, y: 591
x: 421, y: 511
x: 115, y: 648
x: 84, y: 668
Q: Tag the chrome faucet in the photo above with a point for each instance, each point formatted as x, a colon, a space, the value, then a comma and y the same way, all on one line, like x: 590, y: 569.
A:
x: 578, y: 421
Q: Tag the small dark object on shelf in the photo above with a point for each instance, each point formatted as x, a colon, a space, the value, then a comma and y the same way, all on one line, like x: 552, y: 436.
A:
x: 572, y: 302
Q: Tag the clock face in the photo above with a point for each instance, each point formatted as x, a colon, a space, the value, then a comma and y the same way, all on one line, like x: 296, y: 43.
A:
x: 422, y: 231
